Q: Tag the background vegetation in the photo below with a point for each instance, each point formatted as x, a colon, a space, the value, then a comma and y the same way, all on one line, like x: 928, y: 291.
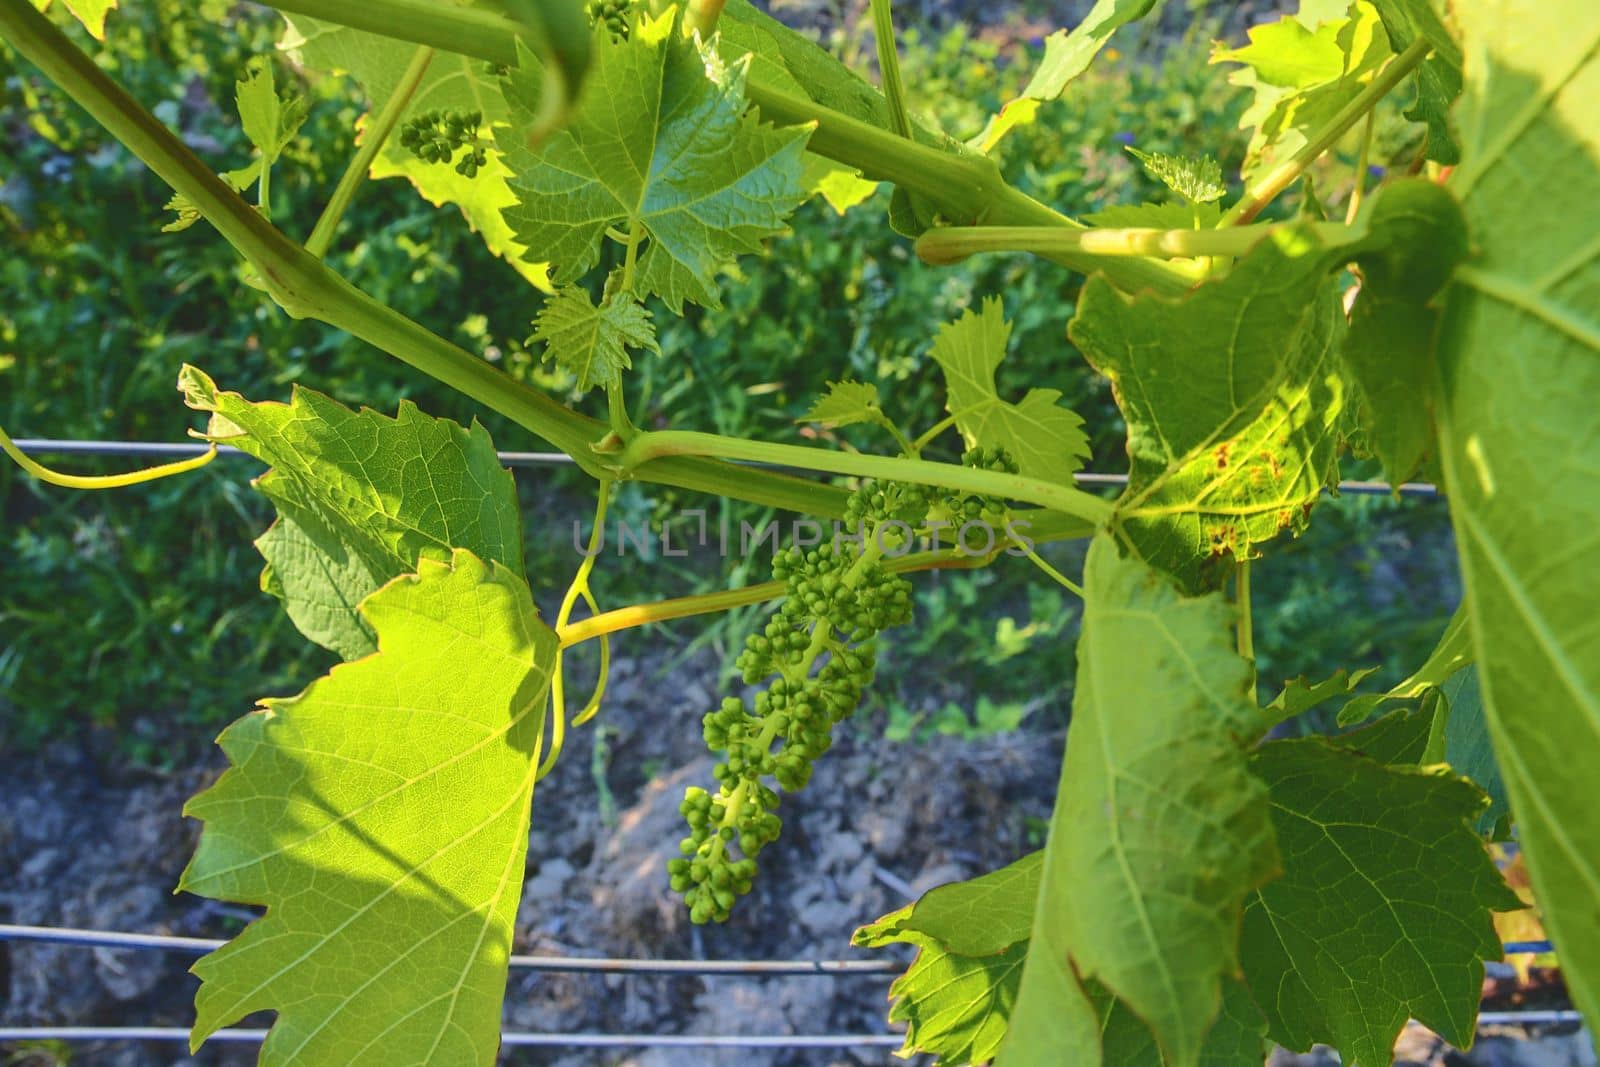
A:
x: 131, y: 621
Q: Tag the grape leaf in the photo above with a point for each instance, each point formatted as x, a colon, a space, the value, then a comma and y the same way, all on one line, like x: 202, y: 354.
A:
x: 1468, y: 749
x: 972, y: 937
x: 661, y: 141
x: 1301, y: 71
x: 1067, y: 54
x: 381, y: 817
x: 1389, y: 349
x: 1438, y: 79
x: 92, y: 13
x: 958, y: 993
x: 1453, y: 652
x: 591, y: 342
x: 845, y: 404
x: 270, y: 121
x: 1301, y: 694
x: 451, y: 83
x: 1160, y: 831
x: 1046, y: 440
x: 1233, y: 401
x: 1383, y: 910
x: 1197, y: 179
x: 1520, y: 436
x: 360, y: 498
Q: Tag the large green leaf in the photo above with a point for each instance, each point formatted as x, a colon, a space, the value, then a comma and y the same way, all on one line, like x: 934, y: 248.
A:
x: 1302, y: 69
x: 972, y: 938
x: 360, y: 498
x: 1383, y: 910
x: 661, y: 142
x: 451, y: 83
x: 1520, y: 435
x: 1160, y: 830
x: 381, y: 817
x: 1234, y: 403
x: 1045, y: 439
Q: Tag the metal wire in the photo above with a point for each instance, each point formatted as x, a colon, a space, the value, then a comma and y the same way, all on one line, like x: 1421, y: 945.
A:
x: 48, y: 446
x: 179, y: 1034
x: 566, y: 964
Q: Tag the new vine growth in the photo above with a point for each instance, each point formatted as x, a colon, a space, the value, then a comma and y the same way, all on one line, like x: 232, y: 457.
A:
x: 1207, y: 887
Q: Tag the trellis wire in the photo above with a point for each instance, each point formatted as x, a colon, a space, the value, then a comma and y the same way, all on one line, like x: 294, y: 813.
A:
x: 46, y: 446
x: 566, y: 964
x: 508, y: 1039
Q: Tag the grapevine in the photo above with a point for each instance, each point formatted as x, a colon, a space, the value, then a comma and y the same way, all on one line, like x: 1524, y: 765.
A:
x: 650, y: 154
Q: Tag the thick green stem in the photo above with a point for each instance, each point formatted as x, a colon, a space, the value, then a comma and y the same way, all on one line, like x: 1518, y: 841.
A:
x: 961, y: 183
x: 652, y: 446
x: 1359, y: 189
x: 701, y: 17
x: 306, y: 288
x: 376, y: 133
x: 894, y: 89
x: 952, y: 244
x: 1262, y: 193
x: 1247, y: 640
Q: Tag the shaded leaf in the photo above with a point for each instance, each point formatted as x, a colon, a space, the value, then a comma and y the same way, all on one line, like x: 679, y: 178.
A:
x: 1438, y: 80
x: 1467, y: 746
x: 361, y: 497
x: 1159, y: 831
x: 1301, y: 694
x: 381, y: 817
x: 1453, y: 652
x: 1520, y: 436
x: 1046, y: 440
x: 1383, y: 910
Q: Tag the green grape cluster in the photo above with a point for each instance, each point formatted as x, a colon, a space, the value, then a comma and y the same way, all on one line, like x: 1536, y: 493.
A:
x: 958, y: 509
x: 436, y: 136
x: 615, y: 15
x: 838, y: 597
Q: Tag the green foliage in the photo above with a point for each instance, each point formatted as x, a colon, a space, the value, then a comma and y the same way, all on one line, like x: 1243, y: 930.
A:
x: 1200, y: 888
x: 1160, y: 831
x: 401, y: 785
x: 590, y: 341
x: 671, y: 155
x: 1046, y: 440
x: 360, y: 499
x: 1383, y: 910
x: 1517, y: 360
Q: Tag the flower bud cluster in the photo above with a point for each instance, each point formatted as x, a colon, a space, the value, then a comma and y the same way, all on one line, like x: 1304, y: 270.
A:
x: 614, y: 15
x: 960, y: 509
x: 436, y: 136
x: 837, y: 598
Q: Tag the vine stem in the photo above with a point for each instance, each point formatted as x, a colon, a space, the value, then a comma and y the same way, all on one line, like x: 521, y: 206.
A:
x: 1247, y: 641
x: 636, y: 615
x: 701, y: 17
x: 654, y: 445
x: 964, y: 184
x: 1360, y: 189
x: 377, y: 132
x: 951, y: 244
x: 1264, y: 191
x: 306, y: 288
x: 894, y: 89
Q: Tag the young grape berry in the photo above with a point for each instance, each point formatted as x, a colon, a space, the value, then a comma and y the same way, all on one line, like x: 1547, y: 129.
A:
x: 436, y: 136
x: 614, y: 15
